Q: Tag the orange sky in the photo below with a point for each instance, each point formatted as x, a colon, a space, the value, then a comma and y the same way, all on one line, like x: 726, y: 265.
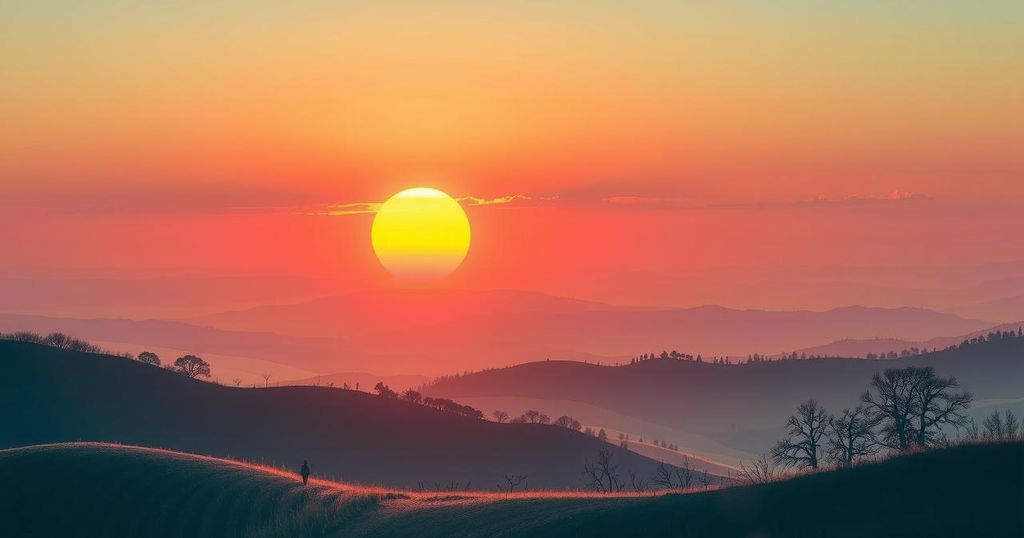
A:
x: 659, y: 140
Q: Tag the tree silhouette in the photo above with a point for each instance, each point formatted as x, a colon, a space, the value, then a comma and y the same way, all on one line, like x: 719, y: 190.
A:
x: 913, y: 404
x: 192, y: 366
x: 412, y: 396
x: 384, y: 391
x: 851, y: 436
x: 564, y: 421
x: 149, y: 357
x: 513, y: 482
x: 1001, y: 426
x: 760, y: 471
x: 534, y: 417
x: 603, y: 474
x: 679, y: 477
x: 804, y: 433
x: 499, y: 416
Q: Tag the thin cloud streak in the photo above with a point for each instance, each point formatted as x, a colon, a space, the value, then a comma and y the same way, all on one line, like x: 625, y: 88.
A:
x: 629, y: 201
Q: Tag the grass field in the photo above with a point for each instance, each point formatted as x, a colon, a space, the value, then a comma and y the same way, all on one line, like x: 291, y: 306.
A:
x: 90, y: 489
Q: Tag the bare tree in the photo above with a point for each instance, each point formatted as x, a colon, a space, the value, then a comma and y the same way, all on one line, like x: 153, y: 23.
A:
x: 266, y: 380
x: 192, y: 366
x: 705, y: 480
x: 565, y: 421
x: 1001, y: 426
x: 513, y: 482
x: 499, y: 416
x: 237, y: 381
x: 1012, y: 425
x: 912, y: 406
x: 936, y: 406
x: 804, y: 433
x: 149, y: 357
x: 760, y: 471
x: 639, y: 484
x: 412, y: 396
x: 851, y: 435
x: 684, y: 473
x: 531, y: 416
x: 603, y: 474
x: 971, y: 432
x: 680, y: 476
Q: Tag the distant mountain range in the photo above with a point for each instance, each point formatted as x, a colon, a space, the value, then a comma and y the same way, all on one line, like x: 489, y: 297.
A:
x: 49, y: 395
x: 459, y: 330
x: 434, y: 332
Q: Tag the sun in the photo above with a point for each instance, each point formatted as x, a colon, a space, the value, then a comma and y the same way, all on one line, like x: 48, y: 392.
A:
x: 420, y: 234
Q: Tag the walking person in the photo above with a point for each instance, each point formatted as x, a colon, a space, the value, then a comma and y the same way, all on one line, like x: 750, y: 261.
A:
x: 305, y: 472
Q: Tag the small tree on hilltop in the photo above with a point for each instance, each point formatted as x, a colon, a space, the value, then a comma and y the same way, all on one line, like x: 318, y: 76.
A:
x: 384, y: 391
x: 804, y: 434
x: 149, y: 357
x: 530, y: 416
x: 412, y: 396
x: 564, y: 421
x: 499, y: 416
x: 192, y: 366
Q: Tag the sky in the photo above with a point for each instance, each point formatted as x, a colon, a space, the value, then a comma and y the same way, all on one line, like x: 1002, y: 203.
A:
x: 637, y: 152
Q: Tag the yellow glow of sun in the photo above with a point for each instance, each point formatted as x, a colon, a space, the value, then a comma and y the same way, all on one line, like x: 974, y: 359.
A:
x: 420, y: 234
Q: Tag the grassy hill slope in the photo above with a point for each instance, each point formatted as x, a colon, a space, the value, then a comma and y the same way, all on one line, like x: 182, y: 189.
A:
x: 49, y: 395
x: 102, y: 490
x: 88, y: 489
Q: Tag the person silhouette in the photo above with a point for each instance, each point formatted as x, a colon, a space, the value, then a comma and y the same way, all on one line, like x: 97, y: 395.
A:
x: 305, y: 472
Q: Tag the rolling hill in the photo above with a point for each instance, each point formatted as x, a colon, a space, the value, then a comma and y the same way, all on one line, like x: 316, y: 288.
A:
x: 740, y: 406
x: 49, y: 395
x: 90, y: 489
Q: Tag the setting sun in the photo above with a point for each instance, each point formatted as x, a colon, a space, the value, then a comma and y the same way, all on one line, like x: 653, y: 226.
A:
x: 420, y: 234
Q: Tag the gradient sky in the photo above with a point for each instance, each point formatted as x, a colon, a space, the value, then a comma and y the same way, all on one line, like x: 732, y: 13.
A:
x: 615, y: 150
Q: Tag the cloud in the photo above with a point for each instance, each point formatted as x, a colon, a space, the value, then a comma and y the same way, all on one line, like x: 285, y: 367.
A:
x: 632, y: 201
x: 362, y: 208
x: 501, y: 200
x: 855, y: 200
x: 340, y: 210
x: 691, y: 203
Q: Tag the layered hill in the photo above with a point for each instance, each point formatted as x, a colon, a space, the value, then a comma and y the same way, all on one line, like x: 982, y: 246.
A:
x: 49, y: 395
x: 434, y: 332
x: 104, y: 490
x: 742, y: 406
x: 860, y: 348
x: 450, y: 330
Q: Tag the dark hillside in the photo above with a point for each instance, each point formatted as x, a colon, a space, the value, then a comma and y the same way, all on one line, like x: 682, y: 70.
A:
x: 103, y: 490
x: 743, y: 405
x: 48, y: 395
